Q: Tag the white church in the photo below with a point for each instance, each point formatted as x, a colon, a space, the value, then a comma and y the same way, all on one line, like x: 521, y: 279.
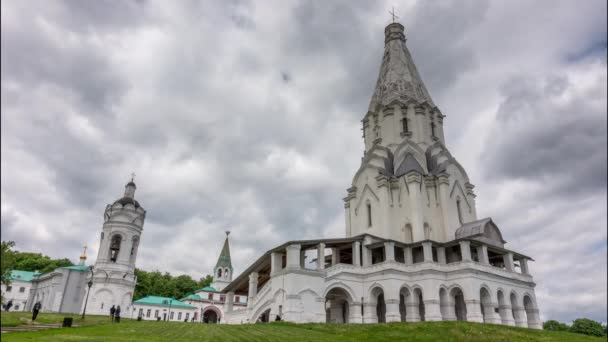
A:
x: 414, y: 248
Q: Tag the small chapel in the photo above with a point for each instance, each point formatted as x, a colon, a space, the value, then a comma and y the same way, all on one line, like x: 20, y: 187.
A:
x: 414, y: 248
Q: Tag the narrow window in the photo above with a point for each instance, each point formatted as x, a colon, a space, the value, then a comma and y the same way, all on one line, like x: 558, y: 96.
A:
x: 141, y: 312
x: 115, y: 247
x: 237, y: 299
x: 102, y: 305
x: 369, y: 215
x: 187, y: 315
x: 432, y: 129
x: 155, y: 313
x: 179, y: 316
x: 211, y: 296
x: 404, y: 125
x: 9, y: 288
x: 148, y: 313
x: 459, y: 211
x: 22, y: 289
x: 219, y: 273
x: 171, y: 315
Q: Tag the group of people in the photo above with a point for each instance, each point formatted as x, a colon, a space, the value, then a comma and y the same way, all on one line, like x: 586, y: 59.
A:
x: 115, y: 314
x: 35, y: 309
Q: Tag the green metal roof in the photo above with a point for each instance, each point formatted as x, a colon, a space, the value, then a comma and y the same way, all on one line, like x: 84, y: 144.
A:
x: 207, y: 289
x: 79, y: 268
x: 192, y: 296
x: 163, y: 301
x: 28, y: 276
x: 224, y: 259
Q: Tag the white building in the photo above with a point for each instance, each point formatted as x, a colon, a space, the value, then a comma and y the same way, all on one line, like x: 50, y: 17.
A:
x: 19, y: 289
x: 155, y: 308
x: 414, y: 247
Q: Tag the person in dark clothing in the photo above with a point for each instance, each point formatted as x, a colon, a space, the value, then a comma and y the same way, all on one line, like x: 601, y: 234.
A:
x: 35, y: 310
x: 8, y: 305
x: 277, y: 319
x: 117, y: 315
x: 112, y: 313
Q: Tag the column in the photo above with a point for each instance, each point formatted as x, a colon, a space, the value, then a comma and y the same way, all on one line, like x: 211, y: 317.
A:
x: 366, y: 256
x: 441, y: 255
x: 354, y: 312
x: 432, y: 311
x: 519, y: 316
x: 449, y: 308
x: 356, y: 253
x: 408, y: 256
x: 473, y: 311
x: 293, y: 256
x: 276, y: 262
x: 228, y: 304
x: 420, y: 120
x: 427, y: 249
x: 506, y: 314
x: 321, y: 256
x: 335, y: 256
x: 303, y: 259
x: 523, y: 263
x: 253, y: 287
x: 369, y: 313
x: 508, y: 259
x: 482, y: 254
x: 389, y: 253
x: 412, y: 310
x: 392, y: 310
x: 465, y: 250
x: 534, y: 318
x: 489, y: 314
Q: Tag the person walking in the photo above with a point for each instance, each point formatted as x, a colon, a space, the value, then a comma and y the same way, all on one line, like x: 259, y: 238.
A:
x: 112, y: 313
x: 117, y: 314
x: 8, y: 305
x: 35, y: 310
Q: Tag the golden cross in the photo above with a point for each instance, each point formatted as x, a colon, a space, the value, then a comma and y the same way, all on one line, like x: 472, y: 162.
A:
x: 84, y: 252
x: 393, y: 14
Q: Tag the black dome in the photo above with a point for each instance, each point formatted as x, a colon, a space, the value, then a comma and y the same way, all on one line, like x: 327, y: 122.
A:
x: 127, y: 200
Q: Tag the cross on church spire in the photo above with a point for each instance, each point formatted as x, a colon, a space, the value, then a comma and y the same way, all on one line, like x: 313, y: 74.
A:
x: 392, y: 13
x: 132, y: 176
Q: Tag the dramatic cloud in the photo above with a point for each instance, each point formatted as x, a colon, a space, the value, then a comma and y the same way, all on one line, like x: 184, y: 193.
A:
x: 245, y: 116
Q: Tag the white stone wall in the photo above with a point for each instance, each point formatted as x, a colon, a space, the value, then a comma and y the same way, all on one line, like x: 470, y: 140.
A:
x: 179, y: 314
x: 19, y: 293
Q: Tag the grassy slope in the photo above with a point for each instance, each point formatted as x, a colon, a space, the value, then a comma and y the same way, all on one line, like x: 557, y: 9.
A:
x: 11, y: 319
x: 169, y: 331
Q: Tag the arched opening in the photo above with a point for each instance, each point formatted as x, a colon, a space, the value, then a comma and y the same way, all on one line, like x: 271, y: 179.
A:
x: 404, y: 297
x: 219, y: 272
x: 210, y: 316
x: 487, y: 308
x: 337, y: 305
x: 226, y: 273
x: 115, y: 247
x: 427, y: 231
x: 460, y: 308
x: 264, y: 317
x: 381, y: 308
x: 514, y: 308
x: 408, y: 233
x: 530, y: 311
x: 419, y: 301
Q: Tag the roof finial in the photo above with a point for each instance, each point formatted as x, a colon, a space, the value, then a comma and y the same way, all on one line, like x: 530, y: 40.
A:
x: 132, y: 176
x: 392, y: 13
x: 83, y: 256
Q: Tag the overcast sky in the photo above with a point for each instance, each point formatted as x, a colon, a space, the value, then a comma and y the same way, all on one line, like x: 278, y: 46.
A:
x: 245, y: 116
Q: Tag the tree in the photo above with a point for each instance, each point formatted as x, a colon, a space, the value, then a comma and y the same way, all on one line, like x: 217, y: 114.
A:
x: 588, y: 327
x: 6, y: 263
x: 25, y: 261
x: 165, y: 285
x: 555, y: 326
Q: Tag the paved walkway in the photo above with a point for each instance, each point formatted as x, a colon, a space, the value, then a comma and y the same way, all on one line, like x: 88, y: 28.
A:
x: 33, y: 327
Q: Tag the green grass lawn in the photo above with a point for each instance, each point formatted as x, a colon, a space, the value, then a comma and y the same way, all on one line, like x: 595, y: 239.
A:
x: 11, y: 319
x: 281, y: 331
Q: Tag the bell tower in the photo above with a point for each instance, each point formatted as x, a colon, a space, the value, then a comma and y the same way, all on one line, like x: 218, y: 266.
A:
x: 113, y: 274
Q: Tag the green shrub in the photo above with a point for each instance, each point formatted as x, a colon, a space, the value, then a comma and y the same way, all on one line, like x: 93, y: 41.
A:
x: 555, y: 326
x: 588, y: 327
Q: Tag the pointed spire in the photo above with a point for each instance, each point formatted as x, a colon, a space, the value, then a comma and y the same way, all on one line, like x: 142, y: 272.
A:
x: 224, y: 259
x: 399, y: 78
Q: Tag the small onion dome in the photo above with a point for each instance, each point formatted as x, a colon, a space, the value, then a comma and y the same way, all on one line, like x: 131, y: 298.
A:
x: 128, y: 200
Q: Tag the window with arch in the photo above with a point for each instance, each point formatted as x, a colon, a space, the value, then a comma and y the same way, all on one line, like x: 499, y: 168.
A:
x: 226, y: 273
x: 432, y: 129
x: 115, y: 247
x: 369, y: 214
x: 459, y: 209
x: 404, y: 125
x: 219, y: 272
